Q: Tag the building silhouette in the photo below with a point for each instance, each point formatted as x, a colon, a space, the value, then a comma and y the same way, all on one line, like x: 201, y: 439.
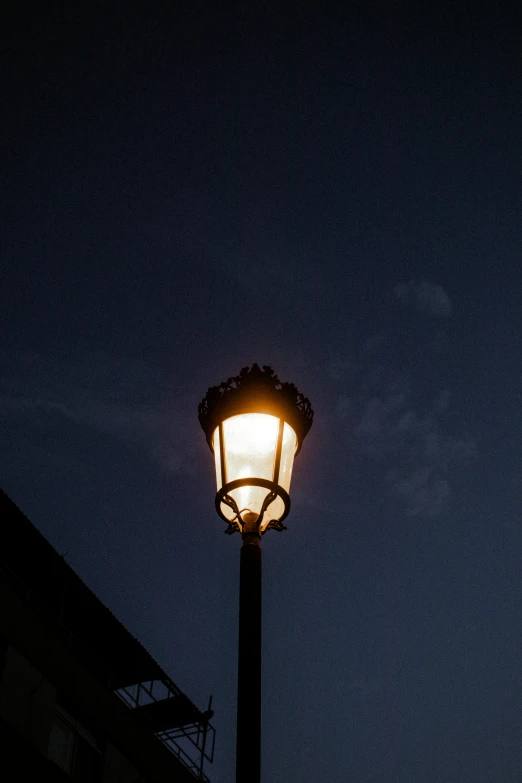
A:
x: 80, y: 698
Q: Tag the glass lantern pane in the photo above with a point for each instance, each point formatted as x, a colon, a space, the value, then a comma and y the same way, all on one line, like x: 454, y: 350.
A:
x: 250, y: 441
x: 217, y: 456
x: 250, y: 444
x: 287, y: 457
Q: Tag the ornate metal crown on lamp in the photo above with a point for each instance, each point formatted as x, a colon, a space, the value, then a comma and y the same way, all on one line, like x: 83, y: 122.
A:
x: 255, y: 425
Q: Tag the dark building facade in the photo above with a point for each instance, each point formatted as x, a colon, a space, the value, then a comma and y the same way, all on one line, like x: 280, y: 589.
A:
x: 80, y: 698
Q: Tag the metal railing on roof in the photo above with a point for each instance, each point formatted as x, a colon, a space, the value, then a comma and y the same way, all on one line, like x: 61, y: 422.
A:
x: 197, y: 731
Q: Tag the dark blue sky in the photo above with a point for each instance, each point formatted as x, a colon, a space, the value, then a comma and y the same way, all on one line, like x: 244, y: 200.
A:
x: 337, y: 193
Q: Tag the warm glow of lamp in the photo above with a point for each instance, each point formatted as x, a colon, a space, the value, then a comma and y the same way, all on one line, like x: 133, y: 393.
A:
x: 258, y: 446
x: 255, y: 425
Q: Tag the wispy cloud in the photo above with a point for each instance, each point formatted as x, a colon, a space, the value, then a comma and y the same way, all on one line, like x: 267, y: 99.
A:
x: 124, y: 398
x: 424, y: 490
x: 409, y: 443
x: 425, y: 296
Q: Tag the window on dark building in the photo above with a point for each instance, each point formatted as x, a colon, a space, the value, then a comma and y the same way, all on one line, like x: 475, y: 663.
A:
x: 75, y: 749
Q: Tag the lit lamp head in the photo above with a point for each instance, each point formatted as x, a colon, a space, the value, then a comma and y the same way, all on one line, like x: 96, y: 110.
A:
x: 255, y: 425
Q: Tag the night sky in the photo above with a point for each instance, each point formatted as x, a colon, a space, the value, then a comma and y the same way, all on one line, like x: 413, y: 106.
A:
x: 192, y: 187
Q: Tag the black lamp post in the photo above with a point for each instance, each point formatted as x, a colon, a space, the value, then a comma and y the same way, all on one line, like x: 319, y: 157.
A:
x: 255, y: 425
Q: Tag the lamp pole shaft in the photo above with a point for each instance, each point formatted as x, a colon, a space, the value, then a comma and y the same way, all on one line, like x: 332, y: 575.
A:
x: 248, y: 749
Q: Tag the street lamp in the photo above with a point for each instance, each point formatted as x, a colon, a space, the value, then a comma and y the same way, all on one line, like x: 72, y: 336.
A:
x: 255, y: 425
